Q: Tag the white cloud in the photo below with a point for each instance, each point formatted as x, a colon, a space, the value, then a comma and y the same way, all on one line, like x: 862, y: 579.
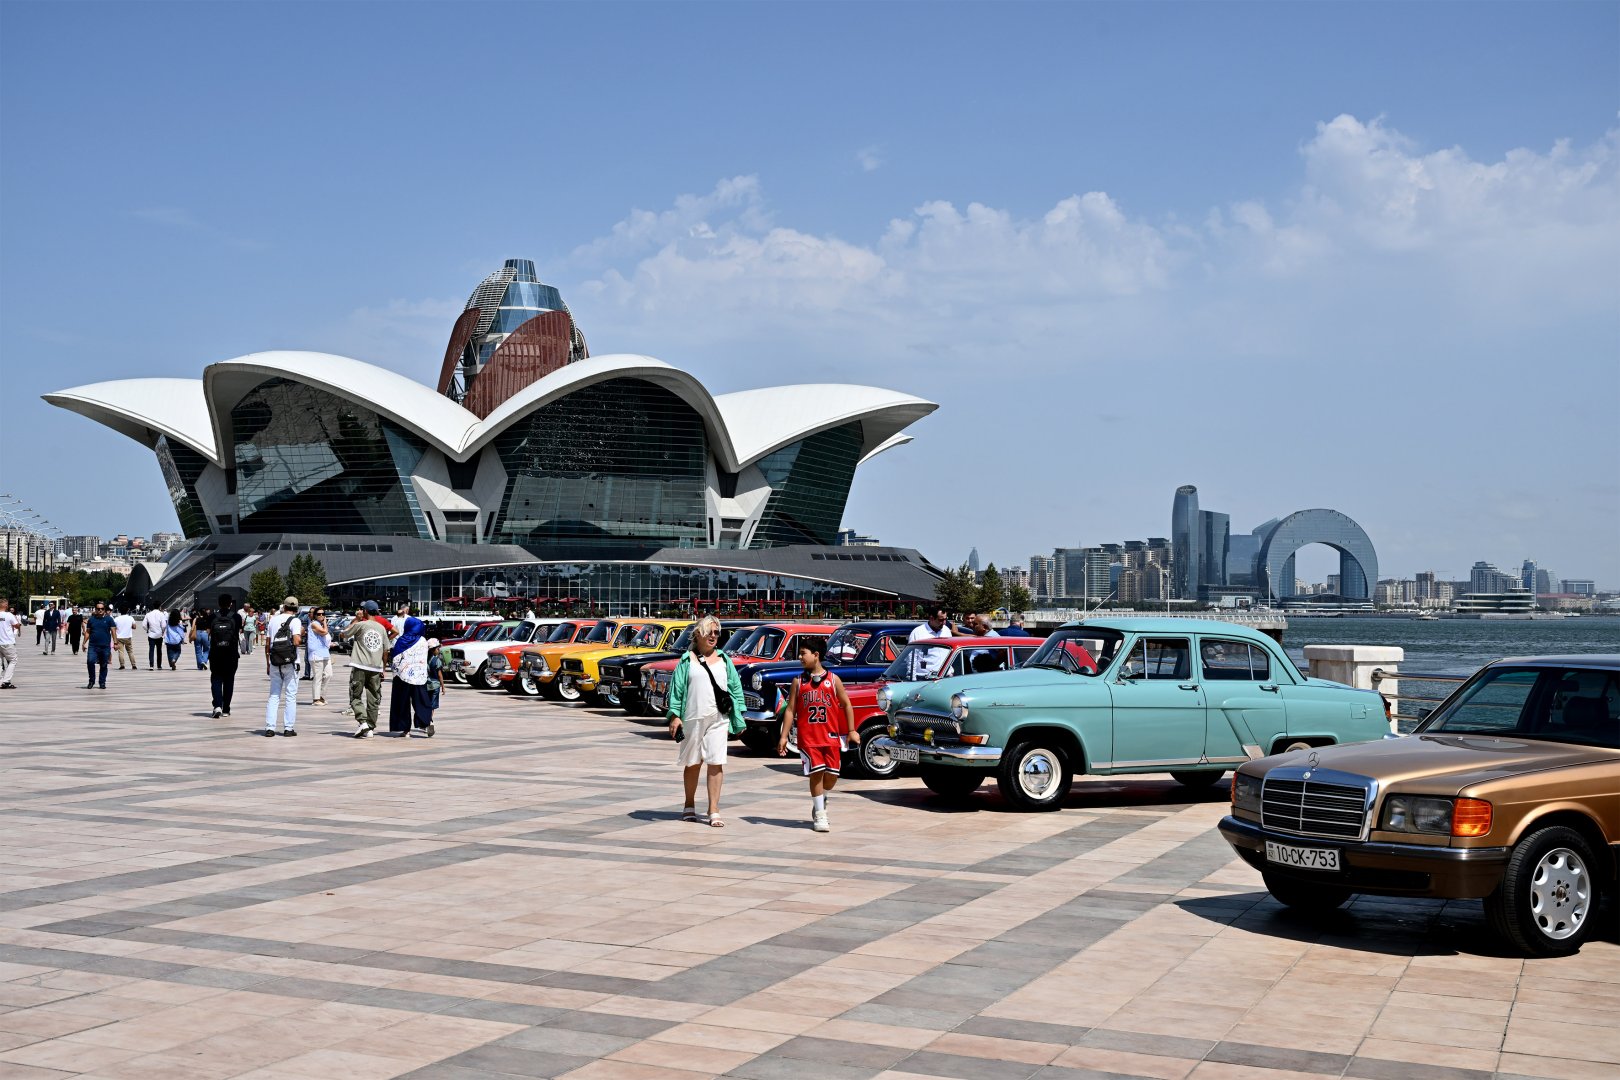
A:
x: 174, y: 217
x: 869, y: 158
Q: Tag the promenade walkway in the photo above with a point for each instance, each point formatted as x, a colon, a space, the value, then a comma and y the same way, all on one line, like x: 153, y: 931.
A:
x: 183, y: 900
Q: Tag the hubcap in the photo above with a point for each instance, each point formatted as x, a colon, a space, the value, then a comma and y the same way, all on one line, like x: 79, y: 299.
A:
x: 1038, y: 773
x: 1560, y: 893
x: 609, y: 696
x: 878, y: 759
x: 528, y: 684
x: 565, y: 687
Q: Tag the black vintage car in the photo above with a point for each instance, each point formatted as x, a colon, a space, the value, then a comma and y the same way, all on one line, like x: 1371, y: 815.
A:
x: 621, y: 675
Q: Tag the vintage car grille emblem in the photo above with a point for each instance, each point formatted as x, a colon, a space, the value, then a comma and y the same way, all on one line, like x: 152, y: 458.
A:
x: 1294, y: 803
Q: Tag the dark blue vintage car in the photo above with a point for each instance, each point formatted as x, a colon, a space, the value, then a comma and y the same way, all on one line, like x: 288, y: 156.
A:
x: 858, y: 652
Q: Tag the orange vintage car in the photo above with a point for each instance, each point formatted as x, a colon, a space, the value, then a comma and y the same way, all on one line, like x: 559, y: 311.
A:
x: 1508, y: 792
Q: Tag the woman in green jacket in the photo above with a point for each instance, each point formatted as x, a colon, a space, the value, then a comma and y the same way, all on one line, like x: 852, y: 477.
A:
x: 704, y: 677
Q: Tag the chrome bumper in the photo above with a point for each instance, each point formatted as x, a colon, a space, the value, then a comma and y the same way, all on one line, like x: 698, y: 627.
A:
x: 927, y: 754
x: 761, y: 716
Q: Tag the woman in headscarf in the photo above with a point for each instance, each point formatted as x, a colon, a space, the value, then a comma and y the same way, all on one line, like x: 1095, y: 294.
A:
x: 410, y: 659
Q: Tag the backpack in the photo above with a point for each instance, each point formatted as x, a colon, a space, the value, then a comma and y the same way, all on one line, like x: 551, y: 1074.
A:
x: 223, y: 628
x: 282, y: 649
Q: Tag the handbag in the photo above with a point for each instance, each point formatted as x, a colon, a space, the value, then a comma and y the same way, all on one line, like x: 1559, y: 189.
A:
x: 722, y: 701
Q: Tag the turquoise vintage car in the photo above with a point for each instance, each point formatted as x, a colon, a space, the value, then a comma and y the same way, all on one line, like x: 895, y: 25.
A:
x: 1190, y: 697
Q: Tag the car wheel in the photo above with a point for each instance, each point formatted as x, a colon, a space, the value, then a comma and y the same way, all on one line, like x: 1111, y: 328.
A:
x: 873, y: 762
x: 608, y: 697
x: 1197, y: 780
x: 523, y: 685
x: 1035, y: 776
x: 1545, y: 902
x: 1305, y: 895
x: 635, y: 705
x: 566, y: 690
x: 484, y: 680
x: 950, y: 782
x: 759, y: 740
x: 459, y: 678
x: 1286, y: 746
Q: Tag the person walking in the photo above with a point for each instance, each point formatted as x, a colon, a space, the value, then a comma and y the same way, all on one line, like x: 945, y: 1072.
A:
x: 283, y: 632
x: 9, y: 624
x: 124, y: 638
x: 51, y: 622
x: 819, y: 712
x: 75, y: 629
x: 706, y: 701
x: 174, y: 637
x: 318, y: 654
x: 369, y: 637
x: 224, y: 631
x: 100, y: 629
x: 200, y: 621
x: 155, y: 622
x: 409, y: 659
x: 250, y: 627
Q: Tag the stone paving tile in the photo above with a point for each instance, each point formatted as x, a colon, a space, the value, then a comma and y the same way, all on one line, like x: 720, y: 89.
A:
x: 180, y: 900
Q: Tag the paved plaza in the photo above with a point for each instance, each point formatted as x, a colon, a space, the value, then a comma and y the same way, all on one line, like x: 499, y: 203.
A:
x: 517, y: 897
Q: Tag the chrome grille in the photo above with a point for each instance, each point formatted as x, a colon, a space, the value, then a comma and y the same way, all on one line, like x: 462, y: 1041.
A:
x: 612, y: 673
x: 752, y: 701
x: 1315, y: 807
x: 913, y: 723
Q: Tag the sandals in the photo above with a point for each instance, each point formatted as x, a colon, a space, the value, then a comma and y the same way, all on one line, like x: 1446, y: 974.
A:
x: 689, y: 814
x: 715, y: 822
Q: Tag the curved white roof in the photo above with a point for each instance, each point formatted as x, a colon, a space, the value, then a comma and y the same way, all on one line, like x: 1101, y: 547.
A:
x: 146, y: 408
x: 771, y: 417
x: 742, y: 427
x: 436, y: 418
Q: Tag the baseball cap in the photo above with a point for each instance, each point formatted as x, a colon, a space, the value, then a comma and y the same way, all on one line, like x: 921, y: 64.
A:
x: 370, y: 607
x: 290, y: 602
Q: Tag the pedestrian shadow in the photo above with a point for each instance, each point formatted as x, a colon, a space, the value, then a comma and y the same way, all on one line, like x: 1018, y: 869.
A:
x: 654, y: 815
x: 780, y: 823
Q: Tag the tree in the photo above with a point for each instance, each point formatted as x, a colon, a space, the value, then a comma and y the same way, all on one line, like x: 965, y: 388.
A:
x: 267, y: 589
x: 991, y: 594
x: 955, y: 591
x: 11, y: 584
x: 306, y: 579
x: 1019, y: 600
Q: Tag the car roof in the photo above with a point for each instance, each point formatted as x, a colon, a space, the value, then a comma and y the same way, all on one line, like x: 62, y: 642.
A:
x: 1606, y: 661
x: 1172, y: 626
x: 963, y: 641
x: 878, y: 627
x: 802, y: 627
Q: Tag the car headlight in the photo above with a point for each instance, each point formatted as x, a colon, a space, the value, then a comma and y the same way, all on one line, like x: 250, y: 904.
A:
x: 541, y: 667
x: 1245, y: 792
x: 1418, y: 814
x: 959, y: 708
x: 758, y: 681
x: 497, y: 662
x: 884, y: 698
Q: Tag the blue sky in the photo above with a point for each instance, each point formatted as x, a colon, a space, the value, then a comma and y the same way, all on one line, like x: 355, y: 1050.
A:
x: 1358, y: 256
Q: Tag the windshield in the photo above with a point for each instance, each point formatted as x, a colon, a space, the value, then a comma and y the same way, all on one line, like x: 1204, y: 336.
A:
x: 763, y: 642
x: 845, y: 645
x: 483, y: 632
x: 563, y: 632
x: 1558, y: 704
x: 1083, y: 650
x: 504, y: 632
x: 918, y: 663
x: 626, y: 635
x: 601, y: 633
x: 649, y: 637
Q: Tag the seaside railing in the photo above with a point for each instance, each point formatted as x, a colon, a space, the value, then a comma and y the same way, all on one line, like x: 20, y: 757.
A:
x: 1408, y: 708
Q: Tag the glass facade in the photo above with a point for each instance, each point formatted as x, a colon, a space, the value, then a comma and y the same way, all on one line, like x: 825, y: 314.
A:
x: 309, y: 461
x: 614, y: 470
x: 526, y: 296
x: 623, y: 588
x: 182, y: 468
x: 810, y: 482
x: 1186, y: 543
x: 1358, y: 563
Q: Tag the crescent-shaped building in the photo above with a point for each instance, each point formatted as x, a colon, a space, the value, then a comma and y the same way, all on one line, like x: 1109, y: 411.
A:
x: 533, y: 469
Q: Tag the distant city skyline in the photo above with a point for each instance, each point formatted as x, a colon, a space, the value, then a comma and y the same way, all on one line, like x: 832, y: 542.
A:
x: 1301, y: 255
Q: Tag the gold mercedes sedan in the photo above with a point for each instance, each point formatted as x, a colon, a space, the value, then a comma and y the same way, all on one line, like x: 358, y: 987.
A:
x: 1508, y: 792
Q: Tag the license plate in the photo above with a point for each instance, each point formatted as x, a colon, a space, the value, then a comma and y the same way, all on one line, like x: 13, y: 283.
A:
x: 905, y: 753
x: 1303, y: 858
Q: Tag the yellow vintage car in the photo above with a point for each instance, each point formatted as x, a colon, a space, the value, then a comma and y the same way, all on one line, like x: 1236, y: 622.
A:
x: 545, y: 662
x: 579, y: 675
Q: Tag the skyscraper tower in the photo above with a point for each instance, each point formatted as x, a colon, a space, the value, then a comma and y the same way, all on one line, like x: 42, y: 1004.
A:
x: 973, y: 560
x: 1186, y: 543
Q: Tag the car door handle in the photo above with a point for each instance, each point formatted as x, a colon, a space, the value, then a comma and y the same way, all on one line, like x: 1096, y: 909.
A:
x: 1188, y: 685
x: 1268, y: 688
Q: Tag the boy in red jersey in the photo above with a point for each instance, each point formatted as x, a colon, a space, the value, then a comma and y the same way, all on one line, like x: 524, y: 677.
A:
x: 819, y: 711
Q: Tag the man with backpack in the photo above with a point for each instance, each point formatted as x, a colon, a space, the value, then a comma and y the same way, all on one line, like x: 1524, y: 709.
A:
x: 224, y: 634
x: 283, y: 633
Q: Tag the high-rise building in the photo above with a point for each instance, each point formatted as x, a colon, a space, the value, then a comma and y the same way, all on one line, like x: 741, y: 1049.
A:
x: 1547, y: 581
x: 1527, y: 575
x: 80, y: 547
x: 26, y: 550
x: 1488, y: 578
x: 973, y: 560
x: 1041, y: 574
x: 1215, y: 547
x: 1186, y: 539
x: 1580, y: 586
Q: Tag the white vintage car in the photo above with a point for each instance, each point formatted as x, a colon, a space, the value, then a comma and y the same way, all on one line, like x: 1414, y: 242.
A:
x: 468, y: 663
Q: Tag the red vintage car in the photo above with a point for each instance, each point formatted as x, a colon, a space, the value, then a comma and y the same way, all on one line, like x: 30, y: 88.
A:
x: 767, y: 641
x: 925, y: 661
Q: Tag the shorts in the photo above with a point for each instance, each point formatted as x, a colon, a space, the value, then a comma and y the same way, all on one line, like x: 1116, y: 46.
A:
x: 825, y: 758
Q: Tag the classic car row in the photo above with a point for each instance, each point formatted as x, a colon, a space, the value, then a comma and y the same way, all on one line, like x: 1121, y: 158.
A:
x: 1508, y: 792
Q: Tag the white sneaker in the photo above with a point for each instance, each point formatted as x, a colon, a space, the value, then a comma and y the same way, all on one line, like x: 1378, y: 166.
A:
x: 363, y: 733
x: 818, y: 821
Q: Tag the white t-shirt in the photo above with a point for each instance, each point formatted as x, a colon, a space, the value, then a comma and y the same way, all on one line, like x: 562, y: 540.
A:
x: 275, y: 622
x: 8, y: 627
x: 923, y: 632
x: 155, y: 622
x: 125, y: 624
